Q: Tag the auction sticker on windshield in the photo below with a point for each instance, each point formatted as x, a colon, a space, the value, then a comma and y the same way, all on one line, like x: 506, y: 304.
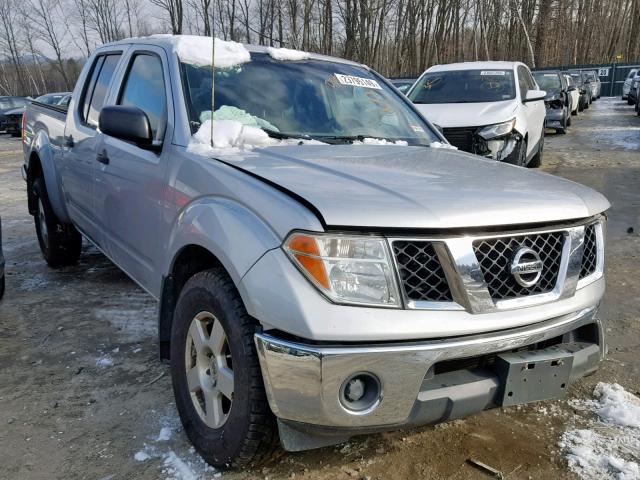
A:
x: 492, y: 72
x: 354, y: 81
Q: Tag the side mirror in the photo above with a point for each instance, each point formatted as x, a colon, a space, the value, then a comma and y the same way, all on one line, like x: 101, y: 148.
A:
x: 534, y: 96
x: 571, y: 88
x: 126, y: 123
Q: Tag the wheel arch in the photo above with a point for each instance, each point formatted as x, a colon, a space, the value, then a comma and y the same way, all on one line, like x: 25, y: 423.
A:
x: 211, y: 232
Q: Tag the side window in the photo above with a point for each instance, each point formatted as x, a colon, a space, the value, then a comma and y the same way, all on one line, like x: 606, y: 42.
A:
x: 523, y: 81
x: 97, y: 88
x: 144, y: 88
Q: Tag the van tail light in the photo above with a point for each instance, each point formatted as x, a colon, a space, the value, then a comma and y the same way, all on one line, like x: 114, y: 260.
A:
x: 24, y: 122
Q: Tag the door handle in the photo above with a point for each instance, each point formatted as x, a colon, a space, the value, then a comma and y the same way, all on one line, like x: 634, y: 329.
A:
x: 102, y: 157
x: 68, y: 141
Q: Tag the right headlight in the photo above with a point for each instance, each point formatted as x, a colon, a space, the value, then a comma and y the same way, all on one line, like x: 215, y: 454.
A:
x: 497, y: 130
x: 349, y: 269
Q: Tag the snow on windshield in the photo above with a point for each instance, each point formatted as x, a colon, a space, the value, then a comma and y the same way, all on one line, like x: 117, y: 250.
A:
x: 287, y: 54
x: 196, y: 50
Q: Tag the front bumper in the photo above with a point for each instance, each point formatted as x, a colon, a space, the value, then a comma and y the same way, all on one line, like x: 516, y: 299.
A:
x: 554, y: 118
x: 420, y: 383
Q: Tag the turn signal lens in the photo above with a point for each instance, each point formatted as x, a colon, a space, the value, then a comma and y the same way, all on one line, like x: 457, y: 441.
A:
x: 347, y: 269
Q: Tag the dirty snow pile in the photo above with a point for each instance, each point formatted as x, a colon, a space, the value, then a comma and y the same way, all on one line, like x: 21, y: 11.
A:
x: 196, y: 50
x: 174, y: 466
x: 287, y: 54
x: 442, y: 145
x: 380, y: 141
x: 610, y: 447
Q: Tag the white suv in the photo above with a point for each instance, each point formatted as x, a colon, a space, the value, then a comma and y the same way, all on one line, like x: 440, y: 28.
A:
x: 495, y: 109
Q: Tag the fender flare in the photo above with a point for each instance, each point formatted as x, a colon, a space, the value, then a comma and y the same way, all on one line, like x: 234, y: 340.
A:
x: 42, y: 148
x: 234, y: 235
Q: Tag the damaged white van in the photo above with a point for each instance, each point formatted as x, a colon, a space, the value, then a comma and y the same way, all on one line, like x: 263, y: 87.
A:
x: 494, y: 109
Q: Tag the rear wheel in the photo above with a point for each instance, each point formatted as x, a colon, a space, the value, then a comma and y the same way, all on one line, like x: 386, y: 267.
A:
x: 216, y: 376
x: 60, y: 244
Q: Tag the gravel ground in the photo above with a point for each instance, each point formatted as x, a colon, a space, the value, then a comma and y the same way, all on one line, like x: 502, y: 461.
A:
x: 83, y: 395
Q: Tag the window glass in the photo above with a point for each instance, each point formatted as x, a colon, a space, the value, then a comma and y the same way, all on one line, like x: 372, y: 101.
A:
x: 464, y: 86
x: 101, y: 88
x: 549, y: 82
x: 90, y: 85
x: 523, y: 82
x: 19, y: 102
x: 328, y: 101
x: 144, y: 88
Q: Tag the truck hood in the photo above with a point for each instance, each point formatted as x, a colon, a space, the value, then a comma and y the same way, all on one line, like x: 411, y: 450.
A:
x: 389, y: 186
x: 449, y: 115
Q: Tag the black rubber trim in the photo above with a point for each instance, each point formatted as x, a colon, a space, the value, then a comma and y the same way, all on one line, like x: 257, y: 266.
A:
x: 282, y: 189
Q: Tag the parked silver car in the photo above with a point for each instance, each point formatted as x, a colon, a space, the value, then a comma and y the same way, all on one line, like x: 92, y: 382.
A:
x: 626, y: 86
x: 326, y: 264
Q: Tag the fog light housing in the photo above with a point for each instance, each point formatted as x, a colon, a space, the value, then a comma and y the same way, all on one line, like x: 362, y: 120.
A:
x: 361, y: 393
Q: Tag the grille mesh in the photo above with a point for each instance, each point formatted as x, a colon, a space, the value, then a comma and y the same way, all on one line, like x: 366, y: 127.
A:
x: 495, y: 256
x: 420, y: 271
x: 590, y: 255
x: 462, y: 138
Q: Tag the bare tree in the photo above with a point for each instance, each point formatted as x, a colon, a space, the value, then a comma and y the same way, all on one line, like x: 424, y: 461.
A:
x: 174, y: 10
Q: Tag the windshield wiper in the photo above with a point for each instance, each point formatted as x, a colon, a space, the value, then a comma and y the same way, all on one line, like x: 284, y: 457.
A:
x: 351, y: 138
x: 284, y: 136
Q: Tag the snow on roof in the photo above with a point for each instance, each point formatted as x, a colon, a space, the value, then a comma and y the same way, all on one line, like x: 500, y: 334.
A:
x: 287, y: 54
x: 196, y: 50
x: 474, y: 66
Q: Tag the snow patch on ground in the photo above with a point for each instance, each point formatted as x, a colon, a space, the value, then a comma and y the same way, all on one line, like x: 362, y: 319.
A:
x: 610, y: 447
x: 165, y: 434
x: 104, y: 361
x: 287, y: 54
x: 37, y: 282
x: 133, y: 315
x: 196, y: 50
x: 174, y: 466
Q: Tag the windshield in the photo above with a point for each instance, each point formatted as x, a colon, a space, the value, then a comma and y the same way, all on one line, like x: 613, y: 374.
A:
x: 548, y: 81
x: 464, y: 86
x: 328, y: 101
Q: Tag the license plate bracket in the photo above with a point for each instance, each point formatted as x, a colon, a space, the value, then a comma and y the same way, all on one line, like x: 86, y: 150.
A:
x: 531, y: 376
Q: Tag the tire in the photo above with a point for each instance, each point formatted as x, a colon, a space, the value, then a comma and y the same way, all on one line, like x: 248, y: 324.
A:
x: 536, y: 160
x: 563, y: 129
x: 569, y: 119
x: 2, y: 286
x: 580, y: 106
x: 244, y: 431
x: 629, y: 101
x: 60, y: 244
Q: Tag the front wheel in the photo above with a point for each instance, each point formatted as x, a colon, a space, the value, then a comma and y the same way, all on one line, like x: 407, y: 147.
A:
x: 60, y: 244
x: 216, y: 376
x: 536, y: 160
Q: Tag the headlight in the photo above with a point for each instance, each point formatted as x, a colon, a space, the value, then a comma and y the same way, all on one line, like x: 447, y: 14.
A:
x: 497, y: 130
x: 347, y: 269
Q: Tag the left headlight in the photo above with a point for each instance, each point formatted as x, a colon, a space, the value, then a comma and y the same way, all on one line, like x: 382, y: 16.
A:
x: 497, y: 130
x: 347, y: 269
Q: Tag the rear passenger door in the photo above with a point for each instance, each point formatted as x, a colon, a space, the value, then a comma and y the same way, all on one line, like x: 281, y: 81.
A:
x: 79, y: 158
x: 130, y: 186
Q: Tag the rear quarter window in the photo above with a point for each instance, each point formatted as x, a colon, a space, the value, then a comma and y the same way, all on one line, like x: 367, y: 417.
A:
x: 97, y: 87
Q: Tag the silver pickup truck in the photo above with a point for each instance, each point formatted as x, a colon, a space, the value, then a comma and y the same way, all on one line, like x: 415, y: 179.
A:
x: 326, y: 265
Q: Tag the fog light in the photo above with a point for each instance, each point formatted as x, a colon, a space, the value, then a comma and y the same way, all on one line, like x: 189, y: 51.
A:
x: 361, y: 393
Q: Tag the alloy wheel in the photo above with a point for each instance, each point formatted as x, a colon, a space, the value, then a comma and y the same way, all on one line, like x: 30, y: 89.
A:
x: 209, y: 369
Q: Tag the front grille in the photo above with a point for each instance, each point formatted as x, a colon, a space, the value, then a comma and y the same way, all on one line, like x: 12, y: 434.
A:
x: 590, y: 255
x: 420, y: 271
x: 496, y: 254
x: 462, y: 138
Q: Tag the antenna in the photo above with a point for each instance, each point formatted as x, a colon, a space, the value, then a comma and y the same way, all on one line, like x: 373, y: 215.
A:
x: 213, y: 68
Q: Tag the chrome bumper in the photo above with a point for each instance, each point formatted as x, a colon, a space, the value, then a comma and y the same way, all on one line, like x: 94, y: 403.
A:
x: 303, y: 381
